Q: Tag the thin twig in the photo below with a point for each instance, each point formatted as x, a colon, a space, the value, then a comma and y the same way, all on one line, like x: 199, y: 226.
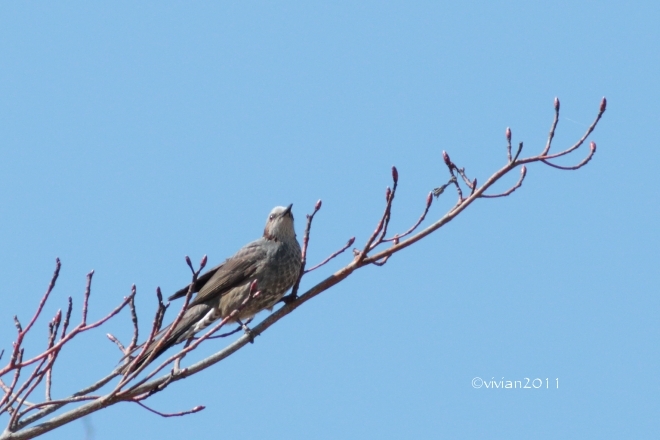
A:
x: 348, y: 244
x: 592, y: 151
x: 78, y: 329
x: 390, y: 199
x: 134, y: 320
x: 51, y: 285
x: 429, y: 200
x: 523, y: 173
x: 67, y: 318
x: 551, y: 135
x: 303, y: 257
x: 454, y: 180
x: 88, y: 290
x: 116, y: 341
x: 603, y: 107
x: 182, y: 413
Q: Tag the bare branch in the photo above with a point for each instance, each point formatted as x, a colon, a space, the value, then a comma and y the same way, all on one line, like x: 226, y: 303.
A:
x: 179, y: 414
x: 603, y: 107
x: 24, y: 415
x: 134, y: 319
x: 51, y: 285
x: 523, y: 173
x: 116, y: 341
x: 67, y: 318
x: 429, y: 200
x: 551, y: 135
x: 88, y: 290
x: 592, y: 151
x: 303, y: 258
x: 348, y: 244
x: 454, y: 180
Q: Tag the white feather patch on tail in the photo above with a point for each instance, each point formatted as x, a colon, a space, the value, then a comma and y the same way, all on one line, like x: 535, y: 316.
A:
x: 207, y: 320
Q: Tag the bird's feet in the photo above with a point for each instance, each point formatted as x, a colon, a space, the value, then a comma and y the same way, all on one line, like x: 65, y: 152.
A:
x: 288, y: 299
x: 247, y: 330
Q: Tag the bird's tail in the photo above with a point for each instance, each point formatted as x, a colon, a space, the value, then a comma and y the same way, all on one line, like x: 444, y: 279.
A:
x: 184, y: 329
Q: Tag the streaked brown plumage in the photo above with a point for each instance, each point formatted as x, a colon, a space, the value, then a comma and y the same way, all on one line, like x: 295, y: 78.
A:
x: 273, y: 261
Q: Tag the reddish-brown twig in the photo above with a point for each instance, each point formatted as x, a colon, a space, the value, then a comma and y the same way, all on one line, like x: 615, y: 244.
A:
x: 134, y: 320
x: 348, y: 244
x: 53, y: 326
x: 381, y: 227
x: 67, y: 318
x: 182, y: 413
x: 454, y: 180
x: 381, y: 262
x: 429, y: 201
x: 523, y: 173
x: 18, y: 396
x: 78, y: 329
x: 117, y: 343
x: 51, y: 285
x: 388, y: 211
x: 303, y: 257
x: 51, y: 403
x: 592, y: 151
x: 22, y: 332
x: 603, y: 107
x: 9, y: 392
x: 551, y: 135
x: 466, y: 179
x: 88, y: 291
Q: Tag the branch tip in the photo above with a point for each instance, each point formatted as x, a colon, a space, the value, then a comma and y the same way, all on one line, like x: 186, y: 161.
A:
x: 395, y: 174
x: 556, y: 104
x: 445, y: 156
x: 520, y: 147
x: 603, y: 104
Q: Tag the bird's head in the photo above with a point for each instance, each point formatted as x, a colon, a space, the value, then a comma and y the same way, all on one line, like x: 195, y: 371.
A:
x: 279, y: 225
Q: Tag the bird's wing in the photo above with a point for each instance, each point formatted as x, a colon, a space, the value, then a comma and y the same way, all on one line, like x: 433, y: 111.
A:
x: 201, y: 281
x: 233, y: 272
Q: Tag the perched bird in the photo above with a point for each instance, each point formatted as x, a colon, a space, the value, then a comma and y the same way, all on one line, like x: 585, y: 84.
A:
x: 273, y: 260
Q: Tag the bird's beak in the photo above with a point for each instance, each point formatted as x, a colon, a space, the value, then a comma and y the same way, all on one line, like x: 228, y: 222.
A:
x: 287, y: 211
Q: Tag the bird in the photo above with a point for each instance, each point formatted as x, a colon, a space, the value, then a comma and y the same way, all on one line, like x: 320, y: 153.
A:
x: 273, y: 261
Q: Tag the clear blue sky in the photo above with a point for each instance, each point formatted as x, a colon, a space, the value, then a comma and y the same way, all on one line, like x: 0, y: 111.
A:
x: 133, y: 135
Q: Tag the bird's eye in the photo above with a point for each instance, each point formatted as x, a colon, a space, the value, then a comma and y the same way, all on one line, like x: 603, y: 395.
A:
x: 270, y: 217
